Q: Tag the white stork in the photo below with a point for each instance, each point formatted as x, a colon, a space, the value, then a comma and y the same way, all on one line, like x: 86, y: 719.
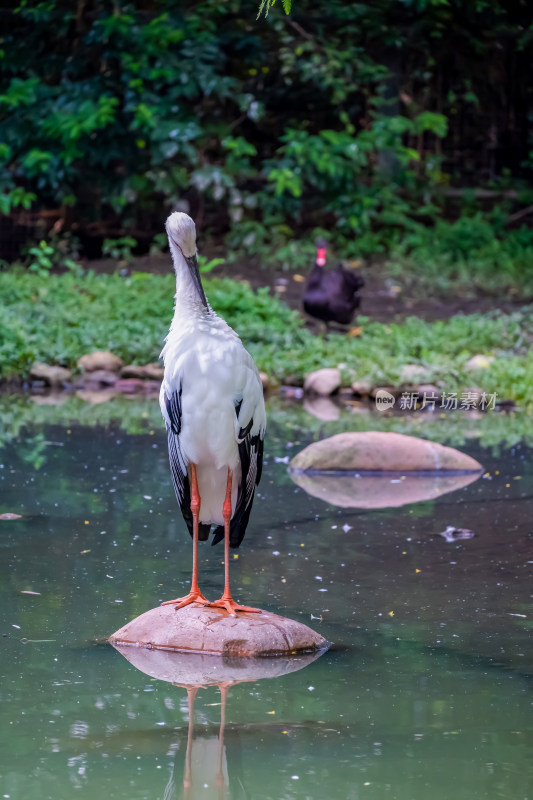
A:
x: 212, y: 402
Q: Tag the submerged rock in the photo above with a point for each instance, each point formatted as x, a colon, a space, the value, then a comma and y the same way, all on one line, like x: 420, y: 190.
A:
x: 198, y: 629
x: 377, y: 451
x: 323, y: 381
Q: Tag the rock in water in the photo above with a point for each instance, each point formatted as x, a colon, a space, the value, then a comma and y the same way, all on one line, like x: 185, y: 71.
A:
x: 212, y: 631
x: 377, y: 451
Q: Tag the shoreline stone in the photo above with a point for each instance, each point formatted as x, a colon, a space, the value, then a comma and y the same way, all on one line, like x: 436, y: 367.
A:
x: 361, y: 388
x: 51, y: 375
x: 100, y: 360
x: 323, y: 382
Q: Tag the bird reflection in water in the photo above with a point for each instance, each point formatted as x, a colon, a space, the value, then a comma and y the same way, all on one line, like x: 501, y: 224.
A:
x: 207, y: 768
x: 206, y: 765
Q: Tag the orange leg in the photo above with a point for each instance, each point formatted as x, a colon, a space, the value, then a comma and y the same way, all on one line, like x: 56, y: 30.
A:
x: 219, y: 780
x: 227, y: 601
x: 195, y: 595
x: 187, y: 778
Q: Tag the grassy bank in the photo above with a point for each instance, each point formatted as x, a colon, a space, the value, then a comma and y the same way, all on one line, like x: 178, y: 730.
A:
x: 58, y: 318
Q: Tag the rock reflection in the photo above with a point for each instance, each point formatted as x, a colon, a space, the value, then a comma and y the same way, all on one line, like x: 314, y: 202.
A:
x: 322, y: 408
x: 207, y: 767
x: 387, y: 490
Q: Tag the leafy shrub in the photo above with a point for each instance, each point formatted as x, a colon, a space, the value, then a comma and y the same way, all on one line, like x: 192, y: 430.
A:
x: 59, y: 252
x: 466, y: 257
x: 119, y: 249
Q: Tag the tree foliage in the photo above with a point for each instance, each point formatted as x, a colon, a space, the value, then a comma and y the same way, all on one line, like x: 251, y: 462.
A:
x: 351, y: 117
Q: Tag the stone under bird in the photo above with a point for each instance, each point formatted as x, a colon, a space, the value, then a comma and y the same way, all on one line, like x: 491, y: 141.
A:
x: 212, y: 403
x: 331, y: 295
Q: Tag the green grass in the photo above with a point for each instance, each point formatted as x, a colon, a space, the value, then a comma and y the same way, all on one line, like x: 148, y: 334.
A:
x: 465, y: 258
x: 58, y: 318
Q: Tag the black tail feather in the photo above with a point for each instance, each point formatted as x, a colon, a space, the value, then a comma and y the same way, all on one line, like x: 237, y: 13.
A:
x: 203, y: 531
x: 218, y: 534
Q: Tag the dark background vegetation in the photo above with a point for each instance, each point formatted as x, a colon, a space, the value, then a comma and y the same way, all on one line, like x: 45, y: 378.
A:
x: 384, y: 123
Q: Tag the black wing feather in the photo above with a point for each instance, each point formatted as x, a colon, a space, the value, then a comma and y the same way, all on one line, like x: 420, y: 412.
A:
x: 251, y: 456
x: 180, y: 478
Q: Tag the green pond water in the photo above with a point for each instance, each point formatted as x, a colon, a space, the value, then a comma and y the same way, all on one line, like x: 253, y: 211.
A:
x: 425, y: 693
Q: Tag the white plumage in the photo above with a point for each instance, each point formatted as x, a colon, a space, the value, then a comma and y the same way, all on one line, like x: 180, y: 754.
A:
x: 207, y: 358
x: 211, y: 399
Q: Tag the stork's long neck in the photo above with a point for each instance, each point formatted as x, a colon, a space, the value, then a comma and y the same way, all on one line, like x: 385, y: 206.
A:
x: 189, y: 291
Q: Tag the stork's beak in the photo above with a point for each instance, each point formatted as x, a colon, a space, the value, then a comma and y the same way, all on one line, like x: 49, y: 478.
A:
x: 192, y: 263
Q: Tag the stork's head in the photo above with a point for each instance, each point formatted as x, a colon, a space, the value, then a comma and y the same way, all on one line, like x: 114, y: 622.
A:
x: 181, y: 232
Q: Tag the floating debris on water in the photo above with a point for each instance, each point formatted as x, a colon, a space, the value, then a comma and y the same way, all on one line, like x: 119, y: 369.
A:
x: 452, y: 534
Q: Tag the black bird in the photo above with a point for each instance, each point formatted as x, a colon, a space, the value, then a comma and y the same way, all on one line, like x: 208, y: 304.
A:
x: 331, y: 296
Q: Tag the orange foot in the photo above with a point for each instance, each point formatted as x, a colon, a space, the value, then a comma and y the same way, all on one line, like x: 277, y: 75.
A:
x: 231, y: 606
x: 193, y: 597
